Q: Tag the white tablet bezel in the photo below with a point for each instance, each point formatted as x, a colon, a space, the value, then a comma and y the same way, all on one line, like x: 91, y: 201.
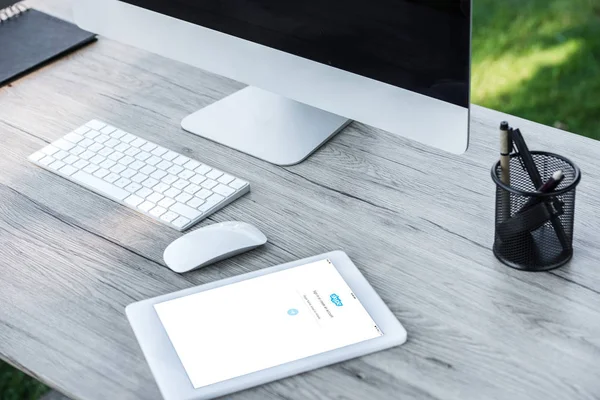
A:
x: 172, y: 378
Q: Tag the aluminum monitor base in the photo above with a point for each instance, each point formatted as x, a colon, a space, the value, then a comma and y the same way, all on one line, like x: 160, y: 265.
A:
x: 265, y: 125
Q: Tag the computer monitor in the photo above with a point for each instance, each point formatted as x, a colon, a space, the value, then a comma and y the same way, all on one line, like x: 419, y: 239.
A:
x: 312, y: 66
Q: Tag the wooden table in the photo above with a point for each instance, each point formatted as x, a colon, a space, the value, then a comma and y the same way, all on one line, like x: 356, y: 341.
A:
x: 416, y: 221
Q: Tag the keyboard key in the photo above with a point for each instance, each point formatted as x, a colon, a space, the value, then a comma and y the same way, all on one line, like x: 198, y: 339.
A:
x: 38, y: 155
x: 97, y: 159
x: 122, y: 147
x: 59, y: 155
x: 197, y: 179
x: 108, y: 164
x: 116, y: 156
x: 92, y: 134
x: 63, y: 144
x: 186, y: 174
x: 57, y: 165
x: 169, y: 216
x: 158, y: 174
x: 191, y: 188
x: 101, y: 186
x: 95, y: 124
x: 128, y: 173
x: 191, y: 165
x: 164, y: 165
x: 133, y: 187
x: 95, y: 147
x: 159, y: 151
x: 175, y: 169
x: 153, y: 160
x: 134, y: 200
x: 47, y: 160
x: 91, y: 168
x: 180, y: 184
x: 85, y: 143
x: 132, y: 151
x: 203, y: 169
x: 128, y: 138
x: 146, y: 206
x: 107, y: 130
x: 118, y: 134
x: 150, y: 182
x: 126, y: 160
x: 195, y: 202
x: 155, y: 197
x: 138, y: 142
x: 237, y: 184
x: 112, y: 177
x: 203, y: 194
x: 49, y: 150
x: 172, y: 193
x: 148, y: 147
x: 214, y: 174
x: 158, y: 211
x: 70, y: 159
x: 139, y: 178
x: 180, y: 222
x: 170, y: 155
x: 166, y: 202
x: 77, y: 150
x: 80, y: 164
x: 184, y: 198
x: 225, y: 179
x: 137, y: 164
x: 101, y: 173
x: 112, y: 143
x: 122, y: 182
x: 73, y: 137
x: 68, y: 170
x: 142, y: 156
x: 147, y: 170
x: 180, y: 160
x: 209, y: 184
x: 82, y: 130
x: 118, y: 168
x: 102, y: 138
x: 160, y: 187
x: 169, y: 179
x: 144, y: 192
x: 223, y: 190
x: 215, y: 198
x: 106, y: 151
x: 86, y: 155
x: 184, y: 210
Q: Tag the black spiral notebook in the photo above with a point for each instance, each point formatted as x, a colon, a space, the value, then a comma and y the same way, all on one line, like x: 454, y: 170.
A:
x: 30, y: 39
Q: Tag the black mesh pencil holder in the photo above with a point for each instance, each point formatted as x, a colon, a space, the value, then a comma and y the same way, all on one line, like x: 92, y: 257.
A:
x: 534, y: 231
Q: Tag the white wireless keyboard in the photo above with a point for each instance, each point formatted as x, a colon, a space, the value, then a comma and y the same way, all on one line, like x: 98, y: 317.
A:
x: 164, y: 185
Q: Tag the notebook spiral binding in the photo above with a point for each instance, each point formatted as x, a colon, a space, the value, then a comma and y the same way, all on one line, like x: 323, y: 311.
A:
x: 13, y: 11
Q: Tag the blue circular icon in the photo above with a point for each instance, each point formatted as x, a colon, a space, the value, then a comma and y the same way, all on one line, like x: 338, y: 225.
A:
x: 292, y: 311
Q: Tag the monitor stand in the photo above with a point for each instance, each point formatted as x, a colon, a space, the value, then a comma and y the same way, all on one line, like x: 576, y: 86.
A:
x: 265, y: 125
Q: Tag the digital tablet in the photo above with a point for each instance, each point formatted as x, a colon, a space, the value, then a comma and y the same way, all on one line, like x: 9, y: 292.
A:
x: 265, y: 325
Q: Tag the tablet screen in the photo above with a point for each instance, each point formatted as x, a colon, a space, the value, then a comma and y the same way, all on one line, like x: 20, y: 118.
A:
x: 264, y: 322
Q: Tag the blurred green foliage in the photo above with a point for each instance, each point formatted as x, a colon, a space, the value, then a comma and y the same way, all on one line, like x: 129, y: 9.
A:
x: 540, y: 60
x: 15, y: 385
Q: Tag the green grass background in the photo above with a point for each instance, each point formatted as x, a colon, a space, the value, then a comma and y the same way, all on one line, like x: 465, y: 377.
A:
x: 538, y: 59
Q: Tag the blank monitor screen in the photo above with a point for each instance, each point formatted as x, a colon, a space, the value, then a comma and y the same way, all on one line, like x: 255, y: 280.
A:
x: 418, y: 45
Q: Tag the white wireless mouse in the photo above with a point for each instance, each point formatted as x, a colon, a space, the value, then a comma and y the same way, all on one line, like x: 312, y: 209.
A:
x: 212, y: 243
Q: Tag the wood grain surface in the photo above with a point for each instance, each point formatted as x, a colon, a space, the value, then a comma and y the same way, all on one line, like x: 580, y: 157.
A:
x: 416, y: 221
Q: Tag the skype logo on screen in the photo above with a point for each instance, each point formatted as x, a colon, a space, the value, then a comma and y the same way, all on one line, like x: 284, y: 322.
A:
x: 335, y: 299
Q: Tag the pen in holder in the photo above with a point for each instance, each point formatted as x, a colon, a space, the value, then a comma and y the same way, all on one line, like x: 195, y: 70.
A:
x: 534, y: 230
